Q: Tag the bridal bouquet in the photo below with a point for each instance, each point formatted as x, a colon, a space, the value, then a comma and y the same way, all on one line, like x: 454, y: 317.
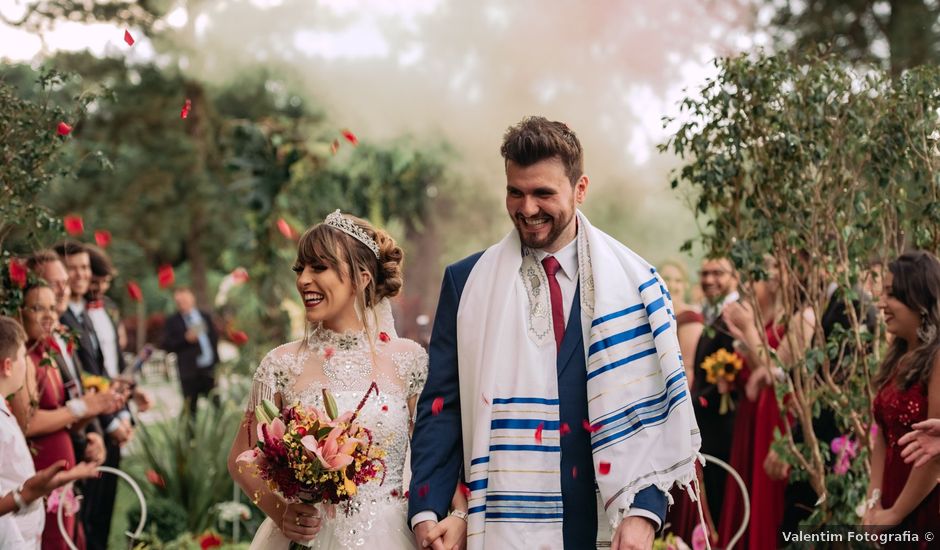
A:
x: 314, y: 456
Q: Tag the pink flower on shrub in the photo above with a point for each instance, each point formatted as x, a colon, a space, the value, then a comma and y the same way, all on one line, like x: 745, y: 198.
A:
x: 845, y: 450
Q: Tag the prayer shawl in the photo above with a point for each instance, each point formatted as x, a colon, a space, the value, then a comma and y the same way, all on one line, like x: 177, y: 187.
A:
x: 638, y: 397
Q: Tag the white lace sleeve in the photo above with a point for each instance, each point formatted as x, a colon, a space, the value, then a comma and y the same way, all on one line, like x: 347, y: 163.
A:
x: 412, y: 368
x: 268, y: 380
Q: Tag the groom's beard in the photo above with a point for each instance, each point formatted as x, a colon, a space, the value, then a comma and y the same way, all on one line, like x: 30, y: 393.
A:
x: 556, y: 228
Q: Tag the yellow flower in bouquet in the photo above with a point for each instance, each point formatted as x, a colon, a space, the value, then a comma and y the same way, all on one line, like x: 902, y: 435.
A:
x: 722, y: 366
x: 95, y: 383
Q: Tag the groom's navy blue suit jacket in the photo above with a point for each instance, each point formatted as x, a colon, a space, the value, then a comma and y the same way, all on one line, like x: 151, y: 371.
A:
x: 437, y: 446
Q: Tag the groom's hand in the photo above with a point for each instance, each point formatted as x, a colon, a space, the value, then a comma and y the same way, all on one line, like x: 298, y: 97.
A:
x: 421, y: 534
x: 633, y: 533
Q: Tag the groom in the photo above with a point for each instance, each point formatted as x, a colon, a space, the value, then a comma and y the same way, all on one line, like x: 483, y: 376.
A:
x: 555, y: 378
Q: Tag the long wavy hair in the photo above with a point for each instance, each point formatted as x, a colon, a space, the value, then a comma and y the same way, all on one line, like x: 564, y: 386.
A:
x: 916, y: 284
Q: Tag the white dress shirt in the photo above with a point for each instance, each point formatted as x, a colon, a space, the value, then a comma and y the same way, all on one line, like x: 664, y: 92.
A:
x: 22, y: 529
x: 107, y: 339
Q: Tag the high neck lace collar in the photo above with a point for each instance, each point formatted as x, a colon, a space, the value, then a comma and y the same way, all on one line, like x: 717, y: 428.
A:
x: 348, y: 340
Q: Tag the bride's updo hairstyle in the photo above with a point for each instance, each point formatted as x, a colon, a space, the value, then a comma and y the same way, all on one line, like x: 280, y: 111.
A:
x: 344, y: 253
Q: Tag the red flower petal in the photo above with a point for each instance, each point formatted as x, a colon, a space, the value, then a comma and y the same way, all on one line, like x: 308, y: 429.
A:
x: 334, y: 147
x: 240, y: 275
x: 394, y: 492
x: 165, y: 276
x: 238, y: 337
x: 327, y: 353
x: 464, y: 489
x: 133, y: 290
x: 128, y: 38
x: 423, y: 490
x: 184, y: 112
x: 574, y: 472
x: 603, y: 468
x: 18, y: 273
x: 588, y: 427
x: 407, y: 493
x: 63, y: 129
x: 538, y: 433
x: 155, y: 479
x: 74, y: 225
x: 103, y: 238
x: 383, y: 336
x: 702, y: 401
x: 286, y: 229
x: 437, y: 406
x: 385, y: 408
x: 564, y: 429
x: 350, y: 137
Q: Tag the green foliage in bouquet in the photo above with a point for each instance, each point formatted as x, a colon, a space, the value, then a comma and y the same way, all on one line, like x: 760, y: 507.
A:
x: 830, y: 172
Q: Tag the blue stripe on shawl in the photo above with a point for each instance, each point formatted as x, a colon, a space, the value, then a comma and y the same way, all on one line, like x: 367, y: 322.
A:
x: 538, y: 448
x: 620, y: 362
x: 508, y: 515
x: 655, y: 306
x: 640, y: 423
x: 648, y: 284
x: 619, y: 338
x: 551, y: 497
x: 661, y: 329
x: 523, y: 424
x: 644, y: 403
x: 616, y: 314
x: 528, y: 400
x: 479, y: 460
x: 478, y: 484
x: 477, y: 509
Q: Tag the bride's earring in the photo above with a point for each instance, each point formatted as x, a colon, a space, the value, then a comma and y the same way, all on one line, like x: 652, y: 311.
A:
x: 927, y: 331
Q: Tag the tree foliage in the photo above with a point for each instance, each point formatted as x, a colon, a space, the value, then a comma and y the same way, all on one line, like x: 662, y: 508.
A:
x: 821, y: 168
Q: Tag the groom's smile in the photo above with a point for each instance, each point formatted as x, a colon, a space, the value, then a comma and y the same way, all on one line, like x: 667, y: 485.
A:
x: 541, y: 200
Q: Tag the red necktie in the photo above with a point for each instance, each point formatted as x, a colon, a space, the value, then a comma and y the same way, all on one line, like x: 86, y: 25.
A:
x: 552, y: 266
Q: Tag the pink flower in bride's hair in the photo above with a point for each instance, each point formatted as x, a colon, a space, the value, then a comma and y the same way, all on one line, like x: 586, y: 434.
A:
x: 331, y: 454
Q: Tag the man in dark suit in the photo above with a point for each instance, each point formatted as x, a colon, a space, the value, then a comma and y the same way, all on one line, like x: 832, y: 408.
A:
x: 719, y: 286
x: 101, y: 492
x: 542, y: 195
x: 190, y: 334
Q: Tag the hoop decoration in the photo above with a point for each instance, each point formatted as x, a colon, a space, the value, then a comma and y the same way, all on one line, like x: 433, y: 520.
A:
x: 338, y: 221
x: 140, y: 497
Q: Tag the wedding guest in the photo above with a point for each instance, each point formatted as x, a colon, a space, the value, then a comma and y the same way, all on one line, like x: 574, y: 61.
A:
x: 689, y: 319
x: 720, y: 286
x: 192, y: 336
x: 58, y: 414
x: 100, y: 494
x: 903, y: 496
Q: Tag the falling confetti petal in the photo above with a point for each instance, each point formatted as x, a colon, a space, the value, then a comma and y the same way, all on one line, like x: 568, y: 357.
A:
x: 238, y: 337
x: 437, y: 405
x: 133, y: 290
x: 286, y: 229
x: 385, y: 408
x: 63, y: 129
x: 485, y: 400
x: 128, y: 38
x: 702, y: 401
x: 334, y: 147
x: 574, y: 472
x: 564, y: 429
x: 165, y: 276
x: 394, y: 492
x: 383, y: 336
x: 538, y: 433
x: 240, y: 275
x: 184, y: 112
x: 327, y: 353
x: 407, y: 493
x: 423, y: 490
x: 464, y: 489
x: 103, y: 238
x: 74, y: 225
x: 591, y: 427
x: 18, y: 273
x: 603, y: 468
x: 350, y: 137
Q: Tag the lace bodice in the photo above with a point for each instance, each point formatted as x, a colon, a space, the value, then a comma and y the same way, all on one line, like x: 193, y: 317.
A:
x: 298, y: 371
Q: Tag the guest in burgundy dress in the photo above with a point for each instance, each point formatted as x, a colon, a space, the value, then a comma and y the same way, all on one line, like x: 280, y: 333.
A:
x: 48, y: 426
x: 903, y: 497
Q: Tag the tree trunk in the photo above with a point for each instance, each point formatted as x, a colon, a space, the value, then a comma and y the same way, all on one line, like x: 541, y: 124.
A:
x: 910, y: 34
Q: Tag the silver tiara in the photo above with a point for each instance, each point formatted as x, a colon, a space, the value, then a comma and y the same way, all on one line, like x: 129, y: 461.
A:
x: 338, y: 221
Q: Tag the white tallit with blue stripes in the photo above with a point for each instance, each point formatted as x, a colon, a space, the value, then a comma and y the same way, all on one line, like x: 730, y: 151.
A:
x: 636, y: 387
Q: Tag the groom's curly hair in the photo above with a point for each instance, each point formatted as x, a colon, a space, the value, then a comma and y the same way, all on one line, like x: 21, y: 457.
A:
x: 536, y: 138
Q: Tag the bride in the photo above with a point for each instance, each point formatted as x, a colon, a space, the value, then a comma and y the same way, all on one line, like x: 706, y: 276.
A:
x: 346, y: 271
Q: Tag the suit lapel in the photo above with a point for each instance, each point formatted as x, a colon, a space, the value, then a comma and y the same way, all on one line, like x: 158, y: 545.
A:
x: 573, y: 337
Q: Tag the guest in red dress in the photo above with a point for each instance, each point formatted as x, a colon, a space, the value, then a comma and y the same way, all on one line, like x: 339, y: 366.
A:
x: 48, y: 426
x: 902, y: 497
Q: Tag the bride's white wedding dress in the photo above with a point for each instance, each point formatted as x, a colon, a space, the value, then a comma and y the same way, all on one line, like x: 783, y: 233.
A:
x: 342, y: 363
